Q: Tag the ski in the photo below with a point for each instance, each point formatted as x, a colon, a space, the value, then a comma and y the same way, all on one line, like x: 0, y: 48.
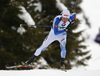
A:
x: 21, y: 66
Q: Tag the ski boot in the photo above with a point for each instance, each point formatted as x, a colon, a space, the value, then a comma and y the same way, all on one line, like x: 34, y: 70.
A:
x: 30, y: 60
x: 62, y: 65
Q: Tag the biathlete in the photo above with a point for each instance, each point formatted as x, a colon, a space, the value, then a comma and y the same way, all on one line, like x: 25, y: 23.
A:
x: 61, y: 24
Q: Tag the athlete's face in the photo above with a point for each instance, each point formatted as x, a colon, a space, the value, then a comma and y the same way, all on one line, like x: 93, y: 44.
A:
x: 64, y: 19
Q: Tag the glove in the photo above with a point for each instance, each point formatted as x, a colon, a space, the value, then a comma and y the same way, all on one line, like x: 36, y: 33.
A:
x: 72, y: 17
x: 72, y: 22
x: 66, y: 29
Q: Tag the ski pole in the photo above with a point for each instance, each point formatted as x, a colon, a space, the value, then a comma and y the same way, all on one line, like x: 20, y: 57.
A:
x: 75, y: 5
x: 35, y: 25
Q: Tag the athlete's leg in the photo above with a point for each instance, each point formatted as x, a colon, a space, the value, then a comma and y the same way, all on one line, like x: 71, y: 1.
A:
x: 63, y: 47
x: 48, y: 40
x: 62, y: 40
x: 63, y: 51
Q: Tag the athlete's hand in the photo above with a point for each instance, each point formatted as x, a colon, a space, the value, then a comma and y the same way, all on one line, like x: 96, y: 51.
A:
x: 72, y: 17
x: 66, y: 29
x: 72, y: 22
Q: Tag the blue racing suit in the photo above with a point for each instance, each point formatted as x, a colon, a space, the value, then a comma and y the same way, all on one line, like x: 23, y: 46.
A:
x: 57, y: 33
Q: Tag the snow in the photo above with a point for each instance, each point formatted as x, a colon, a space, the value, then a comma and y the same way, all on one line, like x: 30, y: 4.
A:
x: 21, y: 30
x: 49, y: 72
x: 26, y: 16
x: 38, y: 7
x: 27, y: 19
x: 60, y: 5
x: 42, y: 62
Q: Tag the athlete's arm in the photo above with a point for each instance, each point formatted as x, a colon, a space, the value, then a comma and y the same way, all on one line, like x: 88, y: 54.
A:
x: 56, y: 32
x: 71, y: 20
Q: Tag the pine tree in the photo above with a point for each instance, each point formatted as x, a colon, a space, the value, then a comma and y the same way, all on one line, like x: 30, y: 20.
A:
x: 11, y: 50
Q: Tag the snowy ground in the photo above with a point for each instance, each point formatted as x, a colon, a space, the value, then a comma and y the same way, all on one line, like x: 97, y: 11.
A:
x: 50, y: 72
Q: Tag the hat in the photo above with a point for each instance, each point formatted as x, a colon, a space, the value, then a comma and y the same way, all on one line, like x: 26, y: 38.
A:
x: 66, y: 13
